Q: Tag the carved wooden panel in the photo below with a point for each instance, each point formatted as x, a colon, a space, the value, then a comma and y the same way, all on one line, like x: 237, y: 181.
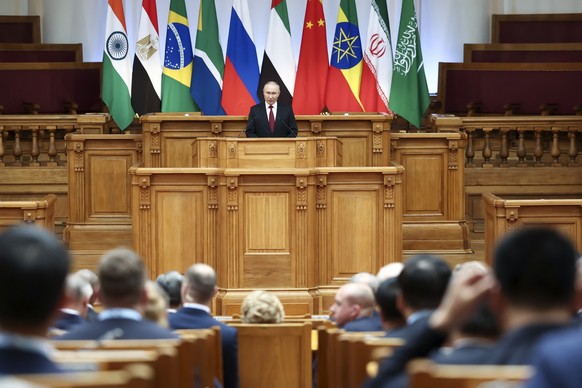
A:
x: 179, y: 151
x: 424, y: 184
x: 108, y: 186
x: 355, y: 222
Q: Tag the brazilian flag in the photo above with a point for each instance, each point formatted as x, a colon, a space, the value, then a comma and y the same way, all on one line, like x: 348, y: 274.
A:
x: 177, y: 73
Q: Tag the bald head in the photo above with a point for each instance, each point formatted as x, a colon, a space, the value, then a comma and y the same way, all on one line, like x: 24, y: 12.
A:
x: 199, y: 284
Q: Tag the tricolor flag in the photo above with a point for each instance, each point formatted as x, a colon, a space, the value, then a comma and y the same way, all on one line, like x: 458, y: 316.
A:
x: 146, y: 85
x: 377, y: 71
x: 206, y: 88
x: 241, y: 70
x: 342, y: 91
x: 117, y: 67
x: 279, y: 61
x: 177, y: 74
x: 308, y: 98
x: 409, y: 92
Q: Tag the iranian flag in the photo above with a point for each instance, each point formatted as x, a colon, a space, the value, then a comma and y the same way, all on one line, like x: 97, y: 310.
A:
x: 117, y: 67
x: 278, y: 60
x: 377, y: 71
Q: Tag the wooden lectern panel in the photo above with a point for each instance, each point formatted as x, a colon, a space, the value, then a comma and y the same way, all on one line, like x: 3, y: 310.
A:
x: 113, y: 199
x: 355, y: 238
x: 424, y: 184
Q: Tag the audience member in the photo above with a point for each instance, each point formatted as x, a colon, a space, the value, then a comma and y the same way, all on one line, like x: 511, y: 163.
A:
x: 365, y: 278
x: 92, y: 278
x: 33, y: 269
x: 354, y: 307
x: 157, y: 305
x: 77, y: 294
x: 171, y: 283
x: 391, y: 270
x: 198, y: 290
x: 422, y: 282
x: 122, y: 276
x: 262, y: 307
x: 386, y: 296
x: 531, y: 291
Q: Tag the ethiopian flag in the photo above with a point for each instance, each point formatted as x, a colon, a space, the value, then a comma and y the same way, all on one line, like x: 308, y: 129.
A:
x: 117, y: 67
x: 177, y: 73
x: 345, y: 66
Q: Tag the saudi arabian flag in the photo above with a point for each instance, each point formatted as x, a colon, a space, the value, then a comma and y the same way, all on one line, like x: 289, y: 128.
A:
x: 117, y: 67
x: 177, y: 73
x: 409, y: 92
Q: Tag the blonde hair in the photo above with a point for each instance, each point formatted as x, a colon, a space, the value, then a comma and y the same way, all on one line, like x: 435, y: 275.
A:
x: 262, y: 307
x: 157, y: 306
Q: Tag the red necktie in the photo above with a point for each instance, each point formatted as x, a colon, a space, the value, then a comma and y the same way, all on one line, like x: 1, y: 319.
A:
x: 271, y: 119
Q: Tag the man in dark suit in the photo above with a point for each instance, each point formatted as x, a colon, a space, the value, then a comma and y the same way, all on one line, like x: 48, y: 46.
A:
x: 33, y: 268
x: 122, y: 276
x: 77, y: 294
x: 270, y: 118
x: 198, y: 289
x: 422, y: 283
x: 354, y: 307
x: 531, y: 290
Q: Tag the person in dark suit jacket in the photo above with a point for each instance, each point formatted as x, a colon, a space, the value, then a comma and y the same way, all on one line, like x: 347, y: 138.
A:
x: 531, y: 290
x: 354, y: 307
x: 77, y: 294
x: 283, y: 119
x: 422, y: 283
x: 33, y: 268
x: 122, y: 276
x: 198, y: 290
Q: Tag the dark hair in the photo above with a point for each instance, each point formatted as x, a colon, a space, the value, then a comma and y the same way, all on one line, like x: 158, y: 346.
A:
x: 171, y: 283
x: 536, y: 268
x: 122, y: 276
x: 33, y: 268
x: 386, y: 299
x: 482, y: 323
x: 423, y: 281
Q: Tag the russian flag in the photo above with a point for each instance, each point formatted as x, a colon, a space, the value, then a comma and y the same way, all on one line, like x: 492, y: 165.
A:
x: 241, y: 70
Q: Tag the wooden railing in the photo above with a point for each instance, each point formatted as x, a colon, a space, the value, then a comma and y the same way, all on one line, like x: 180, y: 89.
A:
x: 38, y: 140
x: 517, y: 141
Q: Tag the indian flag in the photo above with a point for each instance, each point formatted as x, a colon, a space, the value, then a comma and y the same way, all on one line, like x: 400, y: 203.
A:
x: 117, y: 67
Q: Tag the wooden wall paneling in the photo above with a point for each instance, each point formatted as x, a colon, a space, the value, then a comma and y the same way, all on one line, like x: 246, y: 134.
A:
x: 100, y: 212
x: 433, y: 191
x: 503, y: 216
x: 40, y: 213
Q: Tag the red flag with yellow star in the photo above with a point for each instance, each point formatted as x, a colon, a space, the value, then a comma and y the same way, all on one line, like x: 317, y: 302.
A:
x: 345, y: 66
x: 313, y: 63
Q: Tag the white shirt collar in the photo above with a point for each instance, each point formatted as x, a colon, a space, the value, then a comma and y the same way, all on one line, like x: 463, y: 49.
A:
x: 124, y: 313
x: 71, y: 311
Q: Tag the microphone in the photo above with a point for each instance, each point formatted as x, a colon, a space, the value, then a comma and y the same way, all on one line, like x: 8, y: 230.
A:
x: 288, y: 127
x: 251, y: 122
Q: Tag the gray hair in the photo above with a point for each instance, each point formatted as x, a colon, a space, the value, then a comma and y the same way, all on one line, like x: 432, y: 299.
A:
x: 262, y: 307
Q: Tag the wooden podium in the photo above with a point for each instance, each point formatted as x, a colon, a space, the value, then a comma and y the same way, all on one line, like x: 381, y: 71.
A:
x: 277, y: 214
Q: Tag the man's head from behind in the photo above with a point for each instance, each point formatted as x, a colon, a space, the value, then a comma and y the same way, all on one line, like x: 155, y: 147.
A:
x: 199, y: 284
x: 536, y: 268
x: 352, y: 300
x: 122, y: 276
x: 33, y: 268
x: 422, y: 282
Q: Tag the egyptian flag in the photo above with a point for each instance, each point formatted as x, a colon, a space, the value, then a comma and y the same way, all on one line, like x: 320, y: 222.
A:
x: 278, y: 60
x: 146, y: 86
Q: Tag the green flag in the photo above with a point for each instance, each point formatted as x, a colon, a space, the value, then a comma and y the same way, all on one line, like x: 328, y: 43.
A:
x: 409, y: 93
x: 177, y: 73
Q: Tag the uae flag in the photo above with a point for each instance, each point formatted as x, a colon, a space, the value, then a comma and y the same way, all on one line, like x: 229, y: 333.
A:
x: 278, y: 60
x: 313, y: 63
x: 117, y: 67
x: 342, y: 91
x: 146, y: 85
x: 377, y: 71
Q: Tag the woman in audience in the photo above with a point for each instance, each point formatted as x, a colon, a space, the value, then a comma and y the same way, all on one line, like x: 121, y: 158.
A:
x: 262, y: 307
x: 157, y: 307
